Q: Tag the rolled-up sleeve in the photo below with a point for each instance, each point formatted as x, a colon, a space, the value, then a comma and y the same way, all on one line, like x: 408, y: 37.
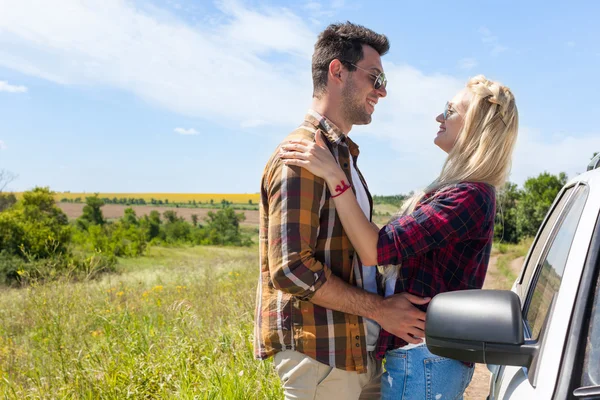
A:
x: 453, y: 215
x: 295, y: 202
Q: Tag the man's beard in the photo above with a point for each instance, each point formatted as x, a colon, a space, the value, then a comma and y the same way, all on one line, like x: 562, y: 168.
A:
x: 353, y: 108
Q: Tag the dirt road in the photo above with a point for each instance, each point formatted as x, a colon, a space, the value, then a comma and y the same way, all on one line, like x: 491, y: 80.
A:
x: 478, y: 389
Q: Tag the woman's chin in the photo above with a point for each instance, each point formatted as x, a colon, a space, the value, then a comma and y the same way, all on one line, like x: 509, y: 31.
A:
x: 440, y: 143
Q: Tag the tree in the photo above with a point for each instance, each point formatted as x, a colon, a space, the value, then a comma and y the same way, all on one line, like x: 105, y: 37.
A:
x: 153, y: 222
x: 538, y: 195
x: 130, y: 218
x: 92, y: 212
x: 195, y: 219
x: 35, y: 227
x: 224, y: 226
x: 507, y: 200
x: 170, y: 216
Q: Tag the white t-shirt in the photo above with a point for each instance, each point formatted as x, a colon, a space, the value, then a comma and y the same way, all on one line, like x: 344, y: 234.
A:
x: 369, y: 281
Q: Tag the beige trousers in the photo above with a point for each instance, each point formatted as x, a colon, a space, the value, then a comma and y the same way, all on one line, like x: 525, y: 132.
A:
x: 305, y: 378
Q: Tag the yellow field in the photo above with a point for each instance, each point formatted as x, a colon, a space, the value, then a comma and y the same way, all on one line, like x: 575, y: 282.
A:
x: 172, y: 197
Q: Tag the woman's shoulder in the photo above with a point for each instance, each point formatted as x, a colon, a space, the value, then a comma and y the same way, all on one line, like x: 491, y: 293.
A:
x: 479, y: 189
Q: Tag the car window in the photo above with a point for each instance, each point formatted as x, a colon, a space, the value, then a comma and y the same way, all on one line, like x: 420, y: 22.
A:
x: 540, y: 243
x: 552, y: 265
x: 591, y: 366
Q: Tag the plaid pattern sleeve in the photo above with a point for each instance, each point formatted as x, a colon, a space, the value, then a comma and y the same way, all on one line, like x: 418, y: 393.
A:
x: 295, y: 202
x: 451, y: 216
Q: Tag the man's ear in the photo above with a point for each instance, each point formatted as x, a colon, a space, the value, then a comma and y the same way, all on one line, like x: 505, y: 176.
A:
x: 336, y: 70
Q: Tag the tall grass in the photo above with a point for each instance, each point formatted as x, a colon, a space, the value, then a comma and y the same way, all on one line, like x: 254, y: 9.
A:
x: 176, y: 323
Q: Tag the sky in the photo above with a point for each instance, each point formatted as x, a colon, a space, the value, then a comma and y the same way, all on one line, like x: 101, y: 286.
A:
x: 182, y: 96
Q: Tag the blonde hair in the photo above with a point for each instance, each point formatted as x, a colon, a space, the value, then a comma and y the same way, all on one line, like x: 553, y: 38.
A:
x: 484, y: 146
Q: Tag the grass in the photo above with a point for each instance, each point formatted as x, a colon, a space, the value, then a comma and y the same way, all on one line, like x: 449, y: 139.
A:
x: 383, y: 212
x: 176, y: 323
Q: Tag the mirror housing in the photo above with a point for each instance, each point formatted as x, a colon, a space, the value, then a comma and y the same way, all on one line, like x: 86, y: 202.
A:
x: 480, y: 326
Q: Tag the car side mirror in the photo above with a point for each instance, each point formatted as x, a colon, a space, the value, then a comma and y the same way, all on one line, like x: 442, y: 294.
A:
x: 481, y: 326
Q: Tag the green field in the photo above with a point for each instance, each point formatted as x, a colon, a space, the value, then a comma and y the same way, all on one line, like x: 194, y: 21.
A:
x: 176, y: 323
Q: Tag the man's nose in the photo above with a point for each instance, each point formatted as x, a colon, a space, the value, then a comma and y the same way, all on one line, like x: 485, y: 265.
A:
x: 382, y: 91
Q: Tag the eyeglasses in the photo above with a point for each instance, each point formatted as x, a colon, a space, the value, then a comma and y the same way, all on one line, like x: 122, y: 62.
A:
x: 448, y: 111
x: 380, y: 80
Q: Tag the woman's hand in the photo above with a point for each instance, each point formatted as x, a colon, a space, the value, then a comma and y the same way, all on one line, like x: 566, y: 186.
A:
x: 315, y: 157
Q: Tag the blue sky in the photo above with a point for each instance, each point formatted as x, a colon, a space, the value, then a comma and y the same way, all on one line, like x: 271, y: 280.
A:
x: 193, y: 96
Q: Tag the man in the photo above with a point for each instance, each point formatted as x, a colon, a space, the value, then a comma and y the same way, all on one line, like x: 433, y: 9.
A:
x: 310, y: 315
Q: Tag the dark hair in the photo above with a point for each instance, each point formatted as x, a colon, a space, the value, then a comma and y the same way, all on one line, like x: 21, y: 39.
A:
x: 345, y: 43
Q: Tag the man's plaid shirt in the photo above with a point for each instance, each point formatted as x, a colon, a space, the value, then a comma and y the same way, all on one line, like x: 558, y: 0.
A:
x: 302, y: 243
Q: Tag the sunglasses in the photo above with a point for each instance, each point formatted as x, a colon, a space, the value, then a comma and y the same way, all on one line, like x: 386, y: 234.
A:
x: 448, y: 111
x: 380, y: 79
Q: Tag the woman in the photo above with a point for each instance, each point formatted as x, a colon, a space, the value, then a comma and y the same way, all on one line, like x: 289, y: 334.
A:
x: 442, y: 239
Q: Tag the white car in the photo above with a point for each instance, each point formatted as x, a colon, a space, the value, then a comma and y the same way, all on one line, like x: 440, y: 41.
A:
x: 541, y: 340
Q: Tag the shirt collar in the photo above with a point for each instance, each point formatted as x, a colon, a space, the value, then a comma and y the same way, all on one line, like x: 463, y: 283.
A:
x: 331, y: 131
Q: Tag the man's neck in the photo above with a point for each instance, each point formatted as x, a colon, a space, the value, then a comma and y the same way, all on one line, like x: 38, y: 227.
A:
x: 333, y: 113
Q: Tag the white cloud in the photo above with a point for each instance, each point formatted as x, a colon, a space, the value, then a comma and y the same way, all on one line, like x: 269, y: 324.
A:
x: 3, y: 145
x: 253, y: 123
x: 313, y: 6
x: 467, y: 63
x: 249, y: 69
x: 559, y: 152
x: 218, y: 72
x: 6, y: 87
x: 491, y: 41
x: 319, y: 10
x: 184, y: 131
x: 497, y: 49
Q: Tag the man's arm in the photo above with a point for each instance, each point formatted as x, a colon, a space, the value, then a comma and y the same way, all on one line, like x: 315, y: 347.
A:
x: 396, y: 314
x: 295, y: 196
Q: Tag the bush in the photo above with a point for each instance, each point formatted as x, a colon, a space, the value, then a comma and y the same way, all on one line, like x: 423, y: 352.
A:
x: 15, y: 270
x: 39, y: 244
x: 35, y: 228
x: 7, y: 200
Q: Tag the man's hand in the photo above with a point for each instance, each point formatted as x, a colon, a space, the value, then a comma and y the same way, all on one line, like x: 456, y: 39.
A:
x: 401, y: 318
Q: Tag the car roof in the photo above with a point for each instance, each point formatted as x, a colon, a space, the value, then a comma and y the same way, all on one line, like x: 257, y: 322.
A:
x: 591, y: 177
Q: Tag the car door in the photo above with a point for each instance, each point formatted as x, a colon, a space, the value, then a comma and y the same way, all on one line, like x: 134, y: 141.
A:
x: 538, y: 288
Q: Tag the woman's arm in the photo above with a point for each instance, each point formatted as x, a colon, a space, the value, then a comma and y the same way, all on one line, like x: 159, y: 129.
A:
x: 317, y: 158
x: 361, y: 232
x: 457, y: 213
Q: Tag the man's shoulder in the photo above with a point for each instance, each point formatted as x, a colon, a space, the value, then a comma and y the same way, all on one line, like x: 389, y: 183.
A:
x: 305, y: 131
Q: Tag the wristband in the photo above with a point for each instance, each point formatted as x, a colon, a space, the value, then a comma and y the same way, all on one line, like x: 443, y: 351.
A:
x: 340, y: 189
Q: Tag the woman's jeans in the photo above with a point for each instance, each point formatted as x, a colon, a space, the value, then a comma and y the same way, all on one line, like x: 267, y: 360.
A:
x: 417, y: 374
